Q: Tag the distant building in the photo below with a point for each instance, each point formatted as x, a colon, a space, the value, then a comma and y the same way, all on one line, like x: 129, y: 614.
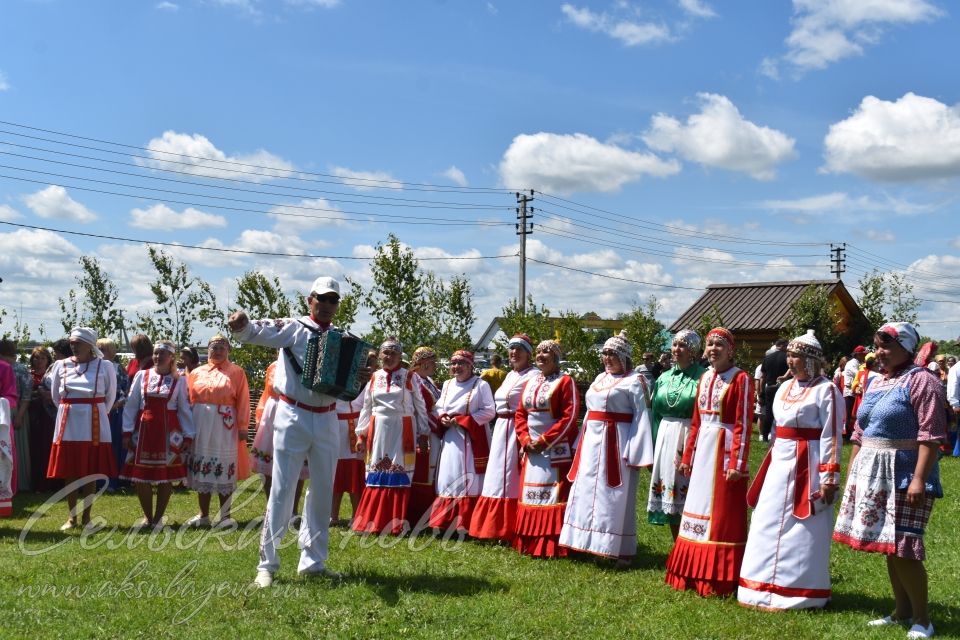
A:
x: 756, y: 312
x: 493, y: 334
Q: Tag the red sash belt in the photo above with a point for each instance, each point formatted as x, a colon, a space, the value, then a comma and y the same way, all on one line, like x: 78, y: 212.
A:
x: 612, y: 441
x: 802, y: 505
x: 351, y: 419
x: 95, y: 417
x: 308, y: 407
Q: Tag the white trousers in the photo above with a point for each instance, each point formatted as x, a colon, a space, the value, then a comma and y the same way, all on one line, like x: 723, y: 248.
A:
x: 299, y: 434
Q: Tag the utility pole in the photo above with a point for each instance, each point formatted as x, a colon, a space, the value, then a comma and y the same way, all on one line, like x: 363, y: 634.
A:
x: 838, y: 258
x: 124, y: 340
x: 523, y: 230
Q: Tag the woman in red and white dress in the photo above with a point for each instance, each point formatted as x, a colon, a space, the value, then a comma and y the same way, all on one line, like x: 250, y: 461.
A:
x: 713, y: 529
x: 464, y: 409
x: 393, y: 417
x: 423, y: 490
x: 786, y: 563
x: 546, y: 430
x: 157, y: 432
x: 616, y: 439
x: 83, y: 387
x: 495, y: 515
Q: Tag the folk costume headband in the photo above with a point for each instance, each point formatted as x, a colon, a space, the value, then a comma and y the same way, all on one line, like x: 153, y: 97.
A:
x: 88, y: 335
x: 809, y: 347
x: 463, y: 354
x: 522, y: 341
x: 723, y: 334
x: 689, y: 338
x: 903, y: 333
x: 391, y: 344
x: 421, y: 354
x: 166, y: 345
x: 219, y: 338
x: 552, y: 346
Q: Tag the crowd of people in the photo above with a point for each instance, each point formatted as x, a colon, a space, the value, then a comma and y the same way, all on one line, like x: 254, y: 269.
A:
x: 509, y: 456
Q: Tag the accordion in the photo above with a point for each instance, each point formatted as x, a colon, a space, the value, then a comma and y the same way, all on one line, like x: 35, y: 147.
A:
x: 332, y: 364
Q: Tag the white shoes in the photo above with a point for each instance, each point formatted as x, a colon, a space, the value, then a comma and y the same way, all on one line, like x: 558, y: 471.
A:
x: 264, y: 579
x: 226, y: 523
x: 919, y: 631
x: 886, y: 621
x: 197, y: 521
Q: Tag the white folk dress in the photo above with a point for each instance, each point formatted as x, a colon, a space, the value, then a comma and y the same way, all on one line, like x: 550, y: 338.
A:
x: 786, y: 562
x: 392, y: 417
x: 82, y: 394
x: 495, y: 514
x: 615, y: 441
x: 464, y: 450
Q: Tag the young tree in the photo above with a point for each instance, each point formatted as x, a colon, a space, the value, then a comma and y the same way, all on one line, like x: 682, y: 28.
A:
x: 814, y: 309
x: 451, y: 304
x: 260, y: 297
x: 886, y: 296
x: 98, y: 309
x: 643, y: 329
x: 578, y: 346
x: 396, y: 299
x: 533, y: 321
x: 182, y: 301
x: 349, y: 306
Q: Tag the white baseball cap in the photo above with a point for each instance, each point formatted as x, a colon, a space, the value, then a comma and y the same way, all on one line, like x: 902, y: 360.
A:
x: 325, y: 284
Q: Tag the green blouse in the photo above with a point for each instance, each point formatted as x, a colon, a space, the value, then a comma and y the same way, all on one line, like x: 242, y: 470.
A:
x: 674, y: 393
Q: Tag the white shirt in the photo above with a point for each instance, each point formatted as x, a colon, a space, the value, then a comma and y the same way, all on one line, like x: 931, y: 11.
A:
x: 849, y: 373
x: 953, y: 386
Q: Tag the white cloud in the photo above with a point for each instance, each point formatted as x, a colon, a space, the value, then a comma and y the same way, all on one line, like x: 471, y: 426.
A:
x: 825, y: 31
x: 454, y: 175
x: 4, y: 85
x: 258, y: 240
x: 196, y: 154
x: 8, y: 213
x: 160, y: 216
x: 913, y: 138
x: 567, y: 163
x: 719, y: 136
x: 245, y: 6
x: 697, y: 8
x: 770, y: 68
x: 842, y: 202
x: 167, y: 6
x: 880, y: 236
x: 307, y: 214
x: 55, y: 202
x: 492, y: 9
x: 366, y: 180
x: 626, y: 31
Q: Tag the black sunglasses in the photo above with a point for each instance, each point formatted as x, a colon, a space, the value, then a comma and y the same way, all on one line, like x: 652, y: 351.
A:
x: 334, y: 299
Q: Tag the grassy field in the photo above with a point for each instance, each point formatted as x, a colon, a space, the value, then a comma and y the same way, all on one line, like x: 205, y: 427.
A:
x: 196, y: 584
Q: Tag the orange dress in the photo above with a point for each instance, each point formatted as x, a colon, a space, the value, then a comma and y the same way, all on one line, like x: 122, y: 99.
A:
x: 221, y: 412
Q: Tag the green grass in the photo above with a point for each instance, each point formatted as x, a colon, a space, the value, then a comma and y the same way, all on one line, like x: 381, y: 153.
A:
x: 199, y: 588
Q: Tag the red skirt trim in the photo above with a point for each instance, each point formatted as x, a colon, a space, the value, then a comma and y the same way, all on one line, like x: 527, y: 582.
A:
x: 382, y: 509
x: 6, y: 508
x: 494, y: 518
x: 873, y: 547
x: 349, y: 477
x: 78, y: 459
x: 709, y: 569
x: 455, y: 512
x: 538, y: 531
x: 788, y: 592
x: 153, y: 474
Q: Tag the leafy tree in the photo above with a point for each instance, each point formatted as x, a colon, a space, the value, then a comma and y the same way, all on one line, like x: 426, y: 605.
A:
x: 260, y: 297
x: 452, y: 305
x: 533, y: 321
x: 814, y: 309
x: 885, y: 296
x: 643, y: 329
x: 578, y: 345
x: 396, y: 299
x: 19, y: 332
x: 98, y: 309
x: 182, y: 301
x: 349, y: 306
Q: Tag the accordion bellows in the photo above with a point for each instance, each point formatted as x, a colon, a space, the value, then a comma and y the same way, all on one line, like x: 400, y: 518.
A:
x: 332, y: 364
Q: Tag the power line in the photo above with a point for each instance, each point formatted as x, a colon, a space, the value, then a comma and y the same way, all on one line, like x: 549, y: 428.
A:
x: 388, y: 184
x: 325, y: 192
x: 905, y: 266
x: 226, y: 250
x: 393, y: 218
x: 603, y: 275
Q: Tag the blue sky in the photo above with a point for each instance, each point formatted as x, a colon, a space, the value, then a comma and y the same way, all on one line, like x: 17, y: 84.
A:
x: 678, y: 142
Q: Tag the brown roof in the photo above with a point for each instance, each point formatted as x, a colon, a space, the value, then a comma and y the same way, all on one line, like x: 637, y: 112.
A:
x: 757, y: 306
